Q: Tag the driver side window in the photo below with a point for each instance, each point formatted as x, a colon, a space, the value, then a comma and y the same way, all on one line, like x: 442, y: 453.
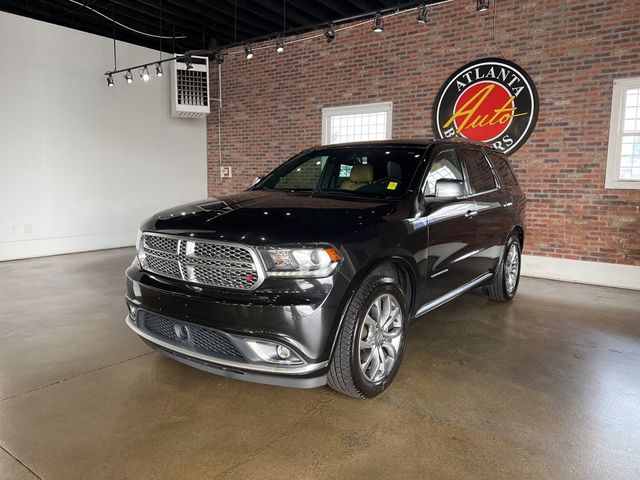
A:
x: 445, y: 165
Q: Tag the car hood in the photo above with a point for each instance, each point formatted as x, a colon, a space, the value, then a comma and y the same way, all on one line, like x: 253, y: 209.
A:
x: 259, y: 217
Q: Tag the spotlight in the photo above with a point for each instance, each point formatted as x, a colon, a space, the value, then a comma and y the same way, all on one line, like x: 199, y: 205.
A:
x: 109, y: 81
x: 187, y: 61
x: 248, y: 52
x: 330, y: 34
x: 219, y: 58
x: 422, y: 16
x: 159, y: 71
x: 280, y: 46
x: 128, y: 77
x: 144, y: 74
x: 378, y: 24
x: 482, y: 5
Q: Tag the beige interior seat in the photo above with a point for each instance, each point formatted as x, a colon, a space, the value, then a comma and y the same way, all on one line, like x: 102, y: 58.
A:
x: 360, y: 176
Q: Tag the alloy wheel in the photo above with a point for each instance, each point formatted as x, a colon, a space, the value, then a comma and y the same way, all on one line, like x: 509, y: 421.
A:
x: 511, y: 269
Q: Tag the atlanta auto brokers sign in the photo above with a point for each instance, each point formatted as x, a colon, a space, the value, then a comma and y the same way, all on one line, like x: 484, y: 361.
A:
x: 489, y: 100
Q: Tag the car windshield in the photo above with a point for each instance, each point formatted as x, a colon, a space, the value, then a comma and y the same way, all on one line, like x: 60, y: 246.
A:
x: 379, y: 171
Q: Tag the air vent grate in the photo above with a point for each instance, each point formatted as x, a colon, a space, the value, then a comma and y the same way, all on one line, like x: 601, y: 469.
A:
x: 190, y: 88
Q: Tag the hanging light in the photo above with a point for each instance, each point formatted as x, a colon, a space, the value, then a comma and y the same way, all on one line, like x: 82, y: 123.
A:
x: 482, y: 5
x: 109, y: 81
x: 159, y: 71
x: 280, y: 46
x: 330, y: 34
x: 378, y: 24
x: 128, y: 77
x: 248, y: 52
x: 422, y: 16
x: 144, y: 74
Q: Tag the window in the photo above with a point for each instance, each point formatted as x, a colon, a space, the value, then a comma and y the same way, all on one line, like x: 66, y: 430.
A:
x: 623, y: 159
x: 356, y: 123
x: 371, y: 171
x: 503, y: 169
x: 480, y: 174
x: 446, y: 165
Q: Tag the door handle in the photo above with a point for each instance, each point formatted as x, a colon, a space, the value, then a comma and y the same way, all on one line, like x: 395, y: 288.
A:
x: 471, y: 213
x: 507, y: 205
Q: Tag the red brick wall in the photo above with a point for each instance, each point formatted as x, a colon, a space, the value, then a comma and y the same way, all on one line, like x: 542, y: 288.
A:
x: 572, y: 49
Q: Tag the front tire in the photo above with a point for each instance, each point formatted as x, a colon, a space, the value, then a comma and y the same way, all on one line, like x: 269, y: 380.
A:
x: 371, y: 340
x: 504, y: 285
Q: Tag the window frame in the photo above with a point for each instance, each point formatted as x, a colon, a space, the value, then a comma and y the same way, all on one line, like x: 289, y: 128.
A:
x: 618, y: 99
x: 329, y: 112
x: 434, y: 156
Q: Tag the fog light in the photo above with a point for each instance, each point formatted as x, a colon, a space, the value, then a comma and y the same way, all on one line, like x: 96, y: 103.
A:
x: 283, y: 352
x: 132, y: 311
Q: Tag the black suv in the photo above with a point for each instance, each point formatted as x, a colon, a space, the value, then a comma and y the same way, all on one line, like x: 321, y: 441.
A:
x: 313, y: 275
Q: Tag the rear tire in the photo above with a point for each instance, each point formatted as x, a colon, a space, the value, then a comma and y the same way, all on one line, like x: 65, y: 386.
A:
x: 505, y: 281
x: 371, y: 340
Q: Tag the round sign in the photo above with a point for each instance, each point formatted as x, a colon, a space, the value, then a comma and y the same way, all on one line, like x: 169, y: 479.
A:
x: 490, y: 100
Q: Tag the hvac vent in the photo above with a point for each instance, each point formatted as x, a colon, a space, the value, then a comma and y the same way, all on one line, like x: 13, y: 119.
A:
x: 190, y: 88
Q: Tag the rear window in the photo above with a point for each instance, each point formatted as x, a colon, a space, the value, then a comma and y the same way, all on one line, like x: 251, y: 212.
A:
x: 504, y: 170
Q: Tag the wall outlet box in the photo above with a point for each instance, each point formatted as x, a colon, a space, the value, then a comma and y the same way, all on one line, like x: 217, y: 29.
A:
x: 225, y: 172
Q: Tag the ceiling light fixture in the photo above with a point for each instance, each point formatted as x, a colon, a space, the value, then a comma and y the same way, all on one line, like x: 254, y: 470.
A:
x: 109, y: 81
x: 280, y: 46
x: 128, y: 77
x: 482, y: 5
x: 248, y: 52
x: 422, y: 16
x: 330, y: 34
x: 159, y: 71
x: 144, y: 74
x: 378, y: 24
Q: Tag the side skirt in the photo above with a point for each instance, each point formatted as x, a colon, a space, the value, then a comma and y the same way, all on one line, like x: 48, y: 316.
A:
x: 427, y: 307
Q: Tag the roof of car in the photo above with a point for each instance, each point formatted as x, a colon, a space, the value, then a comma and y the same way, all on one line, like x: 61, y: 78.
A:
x: 409, y: 143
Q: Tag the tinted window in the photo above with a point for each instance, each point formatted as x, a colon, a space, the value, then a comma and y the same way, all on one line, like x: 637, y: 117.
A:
x: 480, y: 174
x: 363, y: 171
x: 445, y: 165
x: 504, y: 170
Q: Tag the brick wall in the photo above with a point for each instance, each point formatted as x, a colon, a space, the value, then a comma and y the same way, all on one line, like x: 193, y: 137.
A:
x: 572, y: 49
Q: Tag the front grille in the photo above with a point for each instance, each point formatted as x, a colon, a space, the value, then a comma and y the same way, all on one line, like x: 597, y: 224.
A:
x: 200, y: 261
x: 202, y: 339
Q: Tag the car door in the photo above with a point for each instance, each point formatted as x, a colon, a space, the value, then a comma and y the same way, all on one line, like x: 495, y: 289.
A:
x: 451, y: 225
x: 492, y: 223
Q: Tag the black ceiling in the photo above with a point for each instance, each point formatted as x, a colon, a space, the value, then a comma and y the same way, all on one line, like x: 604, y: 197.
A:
x: 201, y: 21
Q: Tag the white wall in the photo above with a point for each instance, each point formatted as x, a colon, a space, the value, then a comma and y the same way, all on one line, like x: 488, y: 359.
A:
x: 81, y: 165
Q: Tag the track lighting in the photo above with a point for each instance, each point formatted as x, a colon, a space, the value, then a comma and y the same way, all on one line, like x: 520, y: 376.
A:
x: 248, y: 52
x: 159, y: 71
x: 378, y: 24
x: 187, y: 61
x: 422, y: 16
x: 330, y: 34
x: 482, y: 5
x: 280, y: 46
x: 128, y: 77
x: 109, y: 81
x: 144, y: 74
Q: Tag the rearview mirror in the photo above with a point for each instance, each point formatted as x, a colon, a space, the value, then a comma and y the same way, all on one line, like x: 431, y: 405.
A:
x: 449, y: 188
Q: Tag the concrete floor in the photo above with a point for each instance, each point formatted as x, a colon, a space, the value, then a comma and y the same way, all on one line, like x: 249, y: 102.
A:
x: 545, y: 387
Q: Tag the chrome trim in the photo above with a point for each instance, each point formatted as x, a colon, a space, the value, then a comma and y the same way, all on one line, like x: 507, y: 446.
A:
x: 441, y: 272
x: 224, y: 363
x: 452, y: 294
x: 190, y: 243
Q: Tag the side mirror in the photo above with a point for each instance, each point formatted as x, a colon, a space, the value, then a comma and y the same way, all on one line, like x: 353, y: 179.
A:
x: 256, y: 181
x: 449, y: 188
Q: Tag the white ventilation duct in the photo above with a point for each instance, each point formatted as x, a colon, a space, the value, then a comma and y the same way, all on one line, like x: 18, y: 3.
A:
x: 190, y: 87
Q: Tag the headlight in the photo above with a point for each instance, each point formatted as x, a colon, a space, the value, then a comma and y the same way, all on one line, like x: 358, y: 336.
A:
x: 300, y: 262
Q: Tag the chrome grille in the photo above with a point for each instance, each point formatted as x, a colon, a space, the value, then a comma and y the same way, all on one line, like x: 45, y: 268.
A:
x: 204, y: 262
x: 203, y: 339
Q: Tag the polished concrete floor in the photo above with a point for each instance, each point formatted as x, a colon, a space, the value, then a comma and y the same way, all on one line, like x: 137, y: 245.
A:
x: 547, y: 387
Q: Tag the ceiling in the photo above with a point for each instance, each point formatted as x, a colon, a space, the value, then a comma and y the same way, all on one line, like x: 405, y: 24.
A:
x: 201, y: 21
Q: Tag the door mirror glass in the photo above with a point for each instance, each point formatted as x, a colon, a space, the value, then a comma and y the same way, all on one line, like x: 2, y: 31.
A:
x: 256, y: 181
x: 449, y: 188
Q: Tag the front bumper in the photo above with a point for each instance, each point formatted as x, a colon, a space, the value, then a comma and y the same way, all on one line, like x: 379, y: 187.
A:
x: 300, y: 315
